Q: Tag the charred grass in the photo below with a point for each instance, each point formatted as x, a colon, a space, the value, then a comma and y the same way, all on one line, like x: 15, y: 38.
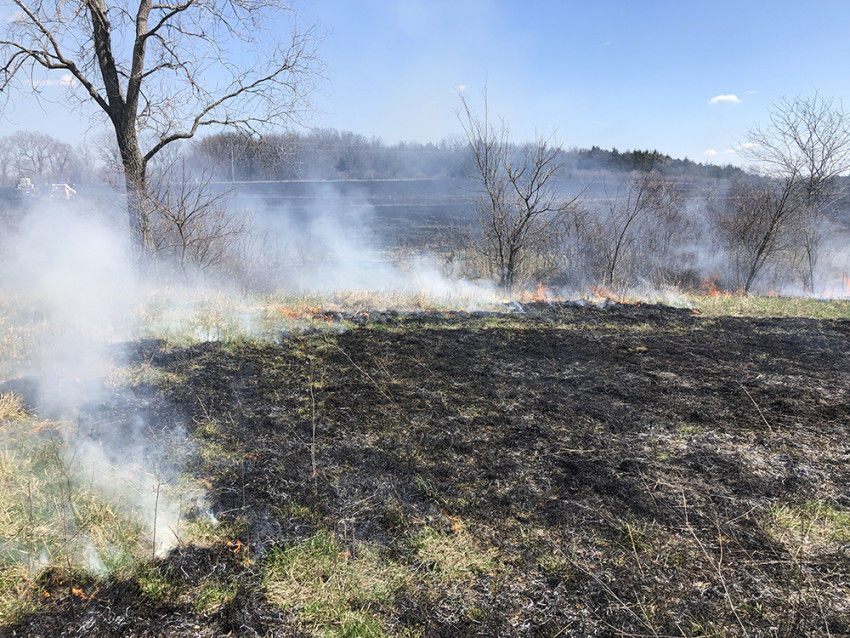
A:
x: 569, y: 471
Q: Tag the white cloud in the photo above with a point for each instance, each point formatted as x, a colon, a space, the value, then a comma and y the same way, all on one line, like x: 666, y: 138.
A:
x: 729, y: 151
x: 460, y: 88
x: 65, y: 80
x: 725, y: 98
x: 746, y: 145
x: 710, y: 152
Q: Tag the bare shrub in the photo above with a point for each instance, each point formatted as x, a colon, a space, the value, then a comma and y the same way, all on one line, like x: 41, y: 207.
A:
x: 192, y: 223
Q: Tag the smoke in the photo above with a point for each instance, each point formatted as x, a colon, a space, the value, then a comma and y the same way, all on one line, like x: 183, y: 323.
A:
x: 339, y: 242
x: 71, y: 274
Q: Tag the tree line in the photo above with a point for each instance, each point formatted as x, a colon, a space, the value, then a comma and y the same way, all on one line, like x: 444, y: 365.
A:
x: 322, y: 154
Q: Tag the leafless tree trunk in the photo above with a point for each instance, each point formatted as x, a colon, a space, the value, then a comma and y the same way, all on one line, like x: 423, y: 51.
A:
x: 519, y: 205
x: 160, y: 72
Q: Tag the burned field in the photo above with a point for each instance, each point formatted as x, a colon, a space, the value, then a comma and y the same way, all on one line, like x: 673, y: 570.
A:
x: 572, y: 470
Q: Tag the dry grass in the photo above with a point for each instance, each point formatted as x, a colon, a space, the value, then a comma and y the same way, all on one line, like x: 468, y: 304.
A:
x: 454, y: 557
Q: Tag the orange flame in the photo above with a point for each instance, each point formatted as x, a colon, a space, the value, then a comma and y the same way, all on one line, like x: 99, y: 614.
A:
x: 455, y: 521
x: 541, y: 294
x: 307, y: 312
x: 601, y: 293
x: 237, y: 546
x: 709, y: 286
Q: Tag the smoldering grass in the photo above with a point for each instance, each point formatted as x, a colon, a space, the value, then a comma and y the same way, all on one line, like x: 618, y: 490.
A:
x: 187, y: 317
x: 18, y: 593
x: 53, y: 515
x: 22, y: 325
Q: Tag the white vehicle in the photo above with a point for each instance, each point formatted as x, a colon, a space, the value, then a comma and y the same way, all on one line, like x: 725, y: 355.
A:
x: 62, y: 191
x: 25, y: 185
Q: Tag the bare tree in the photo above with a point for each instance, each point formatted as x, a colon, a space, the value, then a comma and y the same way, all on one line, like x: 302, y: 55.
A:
x: 618, y: 229
x: 804, y: 147
x: 754, y: 225
x: 519, y: 206
x: 39, y: 156
x: 161, y: 71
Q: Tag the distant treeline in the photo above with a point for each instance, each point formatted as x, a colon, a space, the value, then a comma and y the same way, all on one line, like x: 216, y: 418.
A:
x: 322, y: 154
x: 331, y: 154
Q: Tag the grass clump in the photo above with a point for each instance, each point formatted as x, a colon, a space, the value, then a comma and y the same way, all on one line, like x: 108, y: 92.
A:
x: 454, y: 556
x: 17, y: 593
x: 53, y: 518
x: 213, y: 595
x: 153, y: 585
x: 810, y: 527
x: 335, y: 590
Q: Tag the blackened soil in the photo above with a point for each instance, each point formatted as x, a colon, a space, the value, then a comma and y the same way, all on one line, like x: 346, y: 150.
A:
x: 626, y: 466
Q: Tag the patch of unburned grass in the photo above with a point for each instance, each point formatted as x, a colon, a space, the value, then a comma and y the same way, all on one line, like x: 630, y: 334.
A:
x: 455, y: 557
x: 152, y: 583
x: 809, y: 527
x: 214, y: 594
x: 766, y: 307
x: 334, y: 591
x: 17, y: 597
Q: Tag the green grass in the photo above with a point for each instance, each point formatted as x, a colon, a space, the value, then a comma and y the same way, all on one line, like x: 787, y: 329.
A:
x: 746, y: 306
x: 214, y: 594
x: 334, y: 591
x: 809, y: 527
x: 53, y: 516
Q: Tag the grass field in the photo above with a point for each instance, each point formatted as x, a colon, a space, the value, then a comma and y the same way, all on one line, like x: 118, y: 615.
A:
x: 372, y: 466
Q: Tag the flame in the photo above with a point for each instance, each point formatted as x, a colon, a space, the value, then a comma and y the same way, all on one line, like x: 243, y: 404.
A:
x: 542, y: 293
x: 307, y: 312
x: 710, y: 289
x: 289, y: 314
x: 829, y: 293
x: 46, y: 426
x: 455, y: 521
x: 237, y: 546
x: 599, y: 294
x: 80, y: 593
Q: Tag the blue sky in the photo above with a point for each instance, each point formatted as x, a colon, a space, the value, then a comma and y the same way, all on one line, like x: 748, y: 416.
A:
x: 630, y: 74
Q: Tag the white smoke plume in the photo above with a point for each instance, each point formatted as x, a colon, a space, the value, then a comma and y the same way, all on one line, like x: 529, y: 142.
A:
x: 72, y: 275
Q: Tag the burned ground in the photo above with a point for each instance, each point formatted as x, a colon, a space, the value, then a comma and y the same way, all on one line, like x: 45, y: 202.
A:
x: 573, y: 470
